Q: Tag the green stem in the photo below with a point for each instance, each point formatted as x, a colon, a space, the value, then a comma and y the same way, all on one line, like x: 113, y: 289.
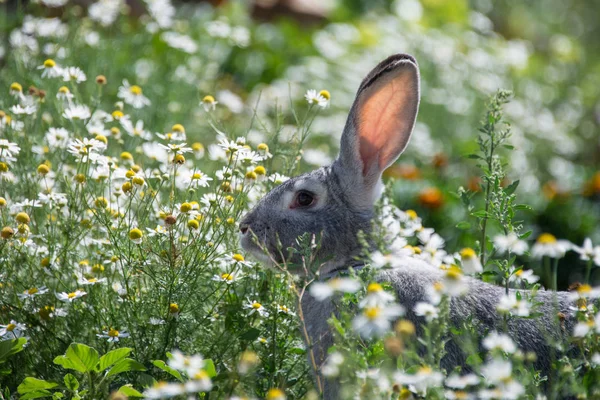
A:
x: 588, y: 271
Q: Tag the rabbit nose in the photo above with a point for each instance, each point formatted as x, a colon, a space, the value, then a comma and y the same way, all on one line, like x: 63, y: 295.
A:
x: 244, y: 228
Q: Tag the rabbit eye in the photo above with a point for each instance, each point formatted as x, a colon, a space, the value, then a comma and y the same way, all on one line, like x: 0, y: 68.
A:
x: 303, y: 199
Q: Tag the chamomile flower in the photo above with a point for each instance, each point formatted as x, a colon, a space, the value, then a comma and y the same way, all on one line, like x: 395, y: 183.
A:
x: 283, y: 309
x: 164, y: 390
x: 376, y: 296
x: 77, y: 112
x: 132, y: 95
x: 113, y: 335
x: 50, y: 69
x: 136, y: 130
x: 424, y: 378
x: 374, y: 321
x: 314, y: 97
x: 582, y: 328
x: 70, y: 297
x: 323, y: 290
x: 199, y: 179
x: 588, y: 252
x: 73, y: 74
x: 8, y: 149
x: 585, y: 292
x: 277, y: 178
x: 209, y: 103
x: 499, y: 341
x: 23, y: 110
x: 511, y: 304
x: 454, y: 282
x: 32, y: 292
x: 12, y: 330
x: 236, y: 258
x: 191, y: 365
x: 82, y: 280
x: 521, y: 275
x: 179, y: 148
x: 426, y: 310
x: 227, y: 277
x: 456, y: 381
x: 510, y: 243
x: 547, y: 245
x: 256, y: 307
x: 470, y: 262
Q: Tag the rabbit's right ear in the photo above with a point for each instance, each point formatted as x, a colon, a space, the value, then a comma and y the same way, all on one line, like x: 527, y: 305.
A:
x: 378, y: 128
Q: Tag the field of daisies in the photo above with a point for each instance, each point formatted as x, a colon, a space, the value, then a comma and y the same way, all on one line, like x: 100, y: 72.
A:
x: 135, y: 136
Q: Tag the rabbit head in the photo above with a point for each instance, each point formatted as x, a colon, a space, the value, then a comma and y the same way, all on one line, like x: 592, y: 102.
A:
x: 336, y: 202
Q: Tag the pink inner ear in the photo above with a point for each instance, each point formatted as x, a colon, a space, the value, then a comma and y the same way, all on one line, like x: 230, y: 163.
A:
x: 385, y: 119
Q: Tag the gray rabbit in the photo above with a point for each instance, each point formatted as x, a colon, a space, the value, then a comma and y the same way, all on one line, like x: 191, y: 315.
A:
x: 337, y: 202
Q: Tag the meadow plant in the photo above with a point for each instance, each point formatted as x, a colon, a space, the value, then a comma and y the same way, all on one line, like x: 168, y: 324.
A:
x: 125, y: 171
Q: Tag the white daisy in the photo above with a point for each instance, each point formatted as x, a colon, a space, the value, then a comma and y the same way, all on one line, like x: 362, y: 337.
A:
x: 69, y: 297
x: 73, y: 74
x: 510, y: 242
x: 113, y: 335
x: 132, y: 95
x: 374, y: 321
x: 547, y: 245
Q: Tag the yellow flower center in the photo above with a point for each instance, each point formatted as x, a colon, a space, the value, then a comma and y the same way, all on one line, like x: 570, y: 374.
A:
x: 126, y: 155
x: 519, y: 272
x: 425, y: 370
x: 185, y: 207
x: 453, y: 273
x: 372, y: 312
x: 173, y: 308
x: 263, y: 147
x: 16, y: 87
x: 49, y: 63
x: 260, y: 170
x: 32, y: 291
x: 325, y: 94
x: 546, y: 238
x: 22, y: 218
x: 251, y: 175
x: 468, y: 253
x: 178, y: 128
x: 92, y: 280
x: 238, y: 257
x: 438, y: 286
x: 117, y: 114
x: 201, y: 375
x: 135, y: 234
x: 197, y: 175
x: 584, y: 289
x: 208, y: 99
x: 136, y: 90
x: 227, y: 277
x: 72, y: 295
x: 274, y: 394
x: 256, y: 305
x: 374, y: 288
x: 113, y: 332
x: 10, y: 327
x: 63, y: 90
x: 197, y: 146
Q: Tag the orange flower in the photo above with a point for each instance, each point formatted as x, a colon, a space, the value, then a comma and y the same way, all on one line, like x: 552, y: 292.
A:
x: 404, y: 171
x: 440, y: 160
x: 431, y: 197
x: 552, y: 191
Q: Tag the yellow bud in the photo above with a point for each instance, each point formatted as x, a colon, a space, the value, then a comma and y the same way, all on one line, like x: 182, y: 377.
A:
x: 102, y: 138
x: 173, y: 308
x: 135, y: 234
x: 3, y: 202
x: 193, y: 224
x: 16, y: 87
x: 7, y: 232
x: 101, y: 202
x: 49, y: 63
x: 260, y: 170
x: 127, y: 186
x: 138, y: 180
x: 22, y: 218
x: 185, y: 207
x: 126, y: 156
x: 178, y: 128
x: 325, y: 94
x: 179, y: 159
x: 43, y: 169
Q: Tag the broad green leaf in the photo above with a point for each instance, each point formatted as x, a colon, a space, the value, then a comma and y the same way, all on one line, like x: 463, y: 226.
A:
x: 79, y: 357
x: 71, y: 382
x: 33, y: 384
x: 510, y: 189
x: 36, y: 394
x: 173, y: 372
x: 463, y: 225
x: 209, y: 367
x: 125, y: 365
x: 10, y: 347
x: 112, y: 357
x: 129, y: 391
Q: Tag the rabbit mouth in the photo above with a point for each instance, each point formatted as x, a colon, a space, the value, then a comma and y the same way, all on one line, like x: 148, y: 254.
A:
x: 262, y: 250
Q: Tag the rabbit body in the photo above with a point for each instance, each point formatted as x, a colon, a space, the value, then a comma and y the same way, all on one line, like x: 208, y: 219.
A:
x: 410, y: 281
x: 336, y: 203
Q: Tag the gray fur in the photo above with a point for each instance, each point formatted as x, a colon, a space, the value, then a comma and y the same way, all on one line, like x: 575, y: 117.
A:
x: 345, y: 196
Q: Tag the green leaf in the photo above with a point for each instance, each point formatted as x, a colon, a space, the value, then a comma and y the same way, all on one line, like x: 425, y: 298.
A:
x: 475, y: 156
x: 129, y: 391
x: 112, y: 357
x: 480, y: 214
x: 79, y: 357
x: 525, y: 235
x: 250, y: 335
x: 510, y: 189
x: 33, y: 384
x: 58, y: 395
x: 36, y: 394
x: 522, y: 207
x: 297, y: 350
x: 71, y: 382
x: 10, y: 347
x: 209, y: 367
x: 125, y: 365
x: 464, y: 225
x: 173, y: 372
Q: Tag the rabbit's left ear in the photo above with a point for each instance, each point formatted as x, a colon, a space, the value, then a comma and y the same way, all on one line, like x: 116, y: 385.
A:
x: 379, y: 125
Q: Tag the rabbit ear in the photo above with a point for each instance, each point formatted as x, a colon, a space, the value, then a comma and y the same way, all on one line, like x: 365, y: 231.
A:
x: 379, y: 126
